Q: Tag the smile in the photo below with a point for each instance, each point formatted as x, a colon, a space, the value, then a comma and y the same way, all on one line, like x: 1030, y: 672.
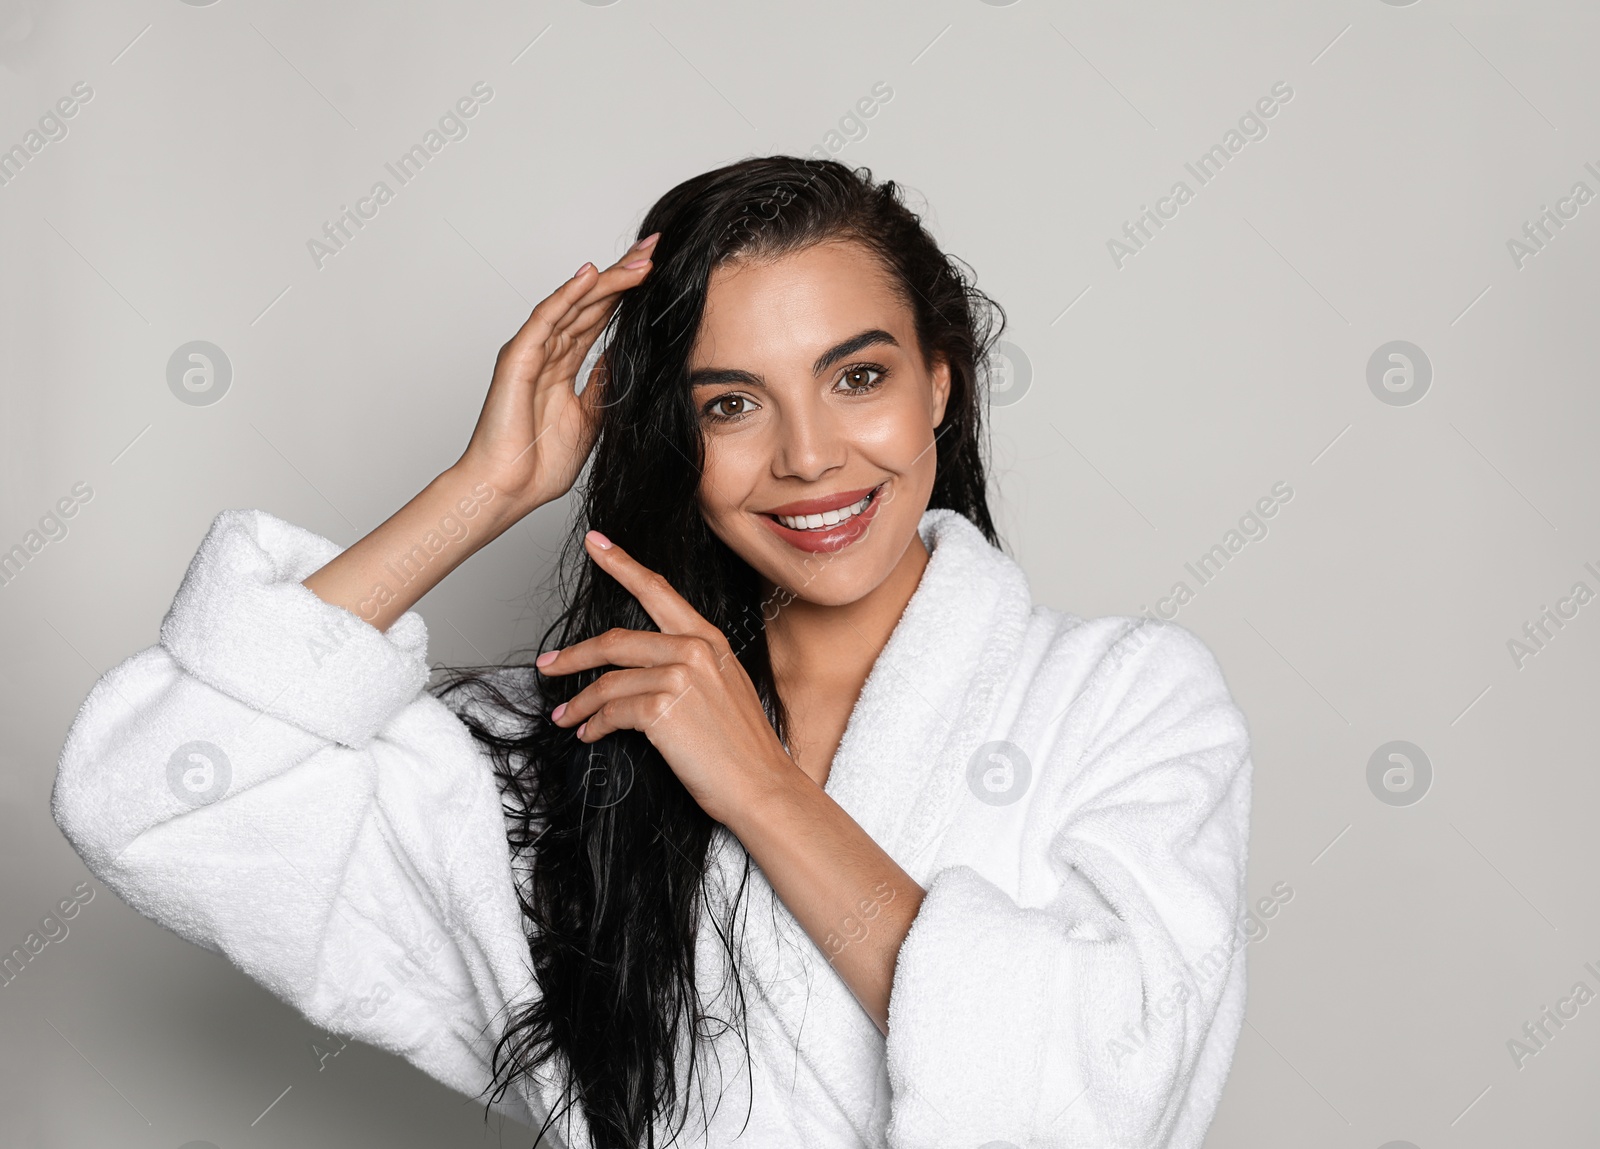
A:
x: 827, y: 518
x: 832, y: 529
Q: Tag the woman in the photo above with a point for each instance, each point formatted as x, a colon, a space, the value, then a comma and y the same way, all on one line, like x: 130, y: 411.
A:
x: 995, y: 852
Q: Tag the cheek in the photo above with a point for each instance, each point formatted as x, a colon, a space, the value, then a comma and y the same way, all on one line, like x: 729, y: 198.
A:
x: 897, y: 436
x: 732, y: 464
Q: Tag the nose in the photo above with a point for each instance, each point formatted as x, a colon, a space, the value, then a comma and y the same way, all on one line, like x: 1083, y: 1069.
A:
x: 810, y: 443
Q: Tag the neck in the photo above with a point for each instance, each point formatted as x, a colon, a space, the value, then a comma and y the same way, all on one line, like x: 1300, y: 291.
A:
x: 813, y: 643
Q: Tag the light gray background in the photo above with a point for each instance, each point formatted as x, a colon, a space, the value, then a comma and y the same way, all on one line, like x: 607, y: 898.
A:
x: 1166, y: 397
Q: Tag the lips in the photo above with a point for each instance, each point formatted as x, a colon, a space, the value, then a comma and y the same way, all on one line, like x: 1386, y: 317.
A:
x: 827, y: 538
x: 823, y: 503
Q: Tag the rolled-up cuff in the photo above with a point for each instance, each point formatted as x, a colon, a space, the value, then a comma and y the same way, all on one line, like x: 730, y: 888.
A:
x: 973, y: 1044
x: 243, y: 623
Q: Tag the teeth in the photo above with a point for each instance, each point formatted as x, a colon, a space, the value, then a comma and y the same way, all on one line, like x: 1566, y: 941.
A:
x: 824, y: 520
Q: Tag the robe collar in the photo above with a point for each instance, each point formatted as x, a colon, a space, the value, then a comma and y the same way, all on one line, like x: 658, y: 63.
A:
x: 935, y: 692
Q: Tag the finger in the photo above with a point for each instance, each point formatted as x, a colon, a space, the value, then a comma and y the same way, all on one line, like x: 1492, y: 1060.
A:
x: 572, y: 347
x: 618, y: 684
x: 599, y: 300
x: 634, y: 712
x: 607, y: 289
x: 641, y: 249
x: 621, y: 647
x: 666, y: 607
x: 529, y: 341
x: 573, y: 333
x: 587, y: 286
x: 558, y: 309
x: 620, y: 275
x: 589, y: 318
x: 579, y: 335
x: 573, y: 342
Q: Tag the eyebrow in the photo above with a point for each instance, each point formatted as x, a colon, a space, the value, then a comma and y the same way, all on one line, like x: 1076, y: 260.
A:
x: 717, y: 376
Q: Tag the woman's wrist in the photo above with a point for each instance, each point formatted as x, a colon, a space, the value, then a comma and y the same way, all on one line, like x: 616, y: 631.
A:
x: 766, y: 802
x: 484, y: 511
x: 493, y: 508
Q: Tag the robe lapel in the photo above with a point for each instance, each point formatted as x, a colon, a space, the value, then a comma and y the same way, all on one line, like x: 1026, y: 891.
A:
x: 934, y: 695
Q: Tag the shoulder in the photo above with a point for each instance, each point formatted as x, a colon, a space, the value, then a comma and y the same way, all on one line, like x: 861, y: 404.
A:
x: 1058, y: 642
x: 1133, y: 733
x: 1114, y: 672
x: 1123, y: 645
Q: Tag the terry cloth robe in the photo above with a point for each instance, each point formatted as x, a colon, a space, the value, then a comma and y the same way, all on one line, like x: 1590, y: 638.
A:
x: 274, y: 782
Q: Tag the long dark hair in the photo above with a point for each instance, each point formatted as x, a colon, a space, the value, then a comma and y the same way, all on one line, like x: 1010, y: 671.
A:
x: 611, y: 850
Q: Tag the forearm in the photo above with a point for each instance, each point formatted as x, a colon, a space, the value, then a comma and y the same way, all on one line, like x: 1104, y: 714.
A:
x: 383, y: 575
x: 852, y: 898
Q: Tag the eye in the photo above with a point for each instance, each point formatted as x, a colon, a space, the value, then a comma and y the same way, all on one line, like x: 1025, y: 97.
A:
x: 855, y: 378
x: 718, y: 410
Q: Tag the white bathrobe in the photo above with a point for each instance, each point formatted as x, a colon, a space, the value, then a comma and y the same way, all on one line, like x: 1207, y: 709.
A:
x: 274, y: 782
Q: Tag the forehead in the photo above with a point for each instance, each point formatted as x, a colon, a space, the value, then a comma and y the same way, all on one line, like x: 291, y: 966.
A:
x: 796, y: 304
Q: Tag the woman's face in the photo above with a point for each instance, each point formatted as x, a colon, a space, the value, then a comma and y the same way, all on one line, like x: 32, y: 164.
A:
x: 819, y: 418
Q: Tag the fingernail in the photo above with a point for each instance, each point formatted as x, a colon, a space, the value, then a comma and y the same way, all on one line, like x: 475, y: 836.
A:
x: 546, y: 658
x: 649, y: 239
x: 555, y: 715
x: 581, y: 729
x: 599, y: 540
x: 635, y: 264
x: 581, y: 270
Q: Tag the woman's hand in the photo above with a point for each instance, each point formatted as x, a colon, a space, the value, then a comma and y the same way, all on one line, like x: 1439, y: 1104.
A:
x: 683, y: 688
x: 535, y: 430
x: 530, y: 443
x: 689, y: 694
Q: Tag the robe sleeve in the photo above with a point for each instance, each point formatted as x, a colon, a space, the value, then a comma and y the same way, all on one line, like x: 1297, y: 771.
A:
x: 272, y: 782
x: 1087, y: 1019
